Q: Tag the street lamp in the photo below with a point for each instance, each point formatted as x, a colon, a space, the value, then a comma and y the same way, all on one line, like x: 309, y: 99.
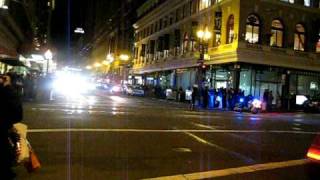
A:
x: 48, y: 55
x: 97, y: 65
x: 203, y: 35
x: 110, y: 58
x: 124, y: 57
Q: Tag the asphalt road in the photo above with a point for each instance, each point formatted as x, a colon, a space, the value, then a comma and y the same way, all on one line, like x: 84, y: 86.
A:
x: 119, y: 137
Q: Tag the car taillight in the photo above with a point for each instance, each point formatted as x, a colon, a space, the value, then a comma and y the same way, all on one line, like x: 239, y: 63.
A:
x: 314, y: 154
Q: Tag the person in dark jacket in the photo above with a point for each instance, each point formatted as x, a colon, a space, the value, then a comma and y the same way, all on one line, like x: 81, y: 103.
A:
x: 10, y: 113
x: 194, y: 97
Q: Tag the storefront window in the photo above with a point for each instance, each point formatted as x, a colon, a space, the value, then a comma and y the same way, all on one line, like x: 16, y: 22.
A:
x: 252, y: 29
x: 308, y: 85
x: 245, y: 82
x: 299, y: 38
x: 222, y: 79
x: 276, y: 34
x: 230, y: 29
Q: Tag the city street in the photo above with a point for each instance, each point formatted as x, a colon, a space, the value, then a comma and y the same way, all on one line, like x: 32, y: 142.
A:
x: 118, y: 137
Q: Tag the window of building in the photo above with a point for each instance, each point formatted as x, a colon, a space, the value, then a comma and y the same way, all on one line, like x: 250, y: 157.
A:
x: 318, y: 44
x: 171, y: 19
x: 152, y: 29
x: 194, y: 7
x: 160, y: 24
x: 185, y: 42
x: 143, y: 50
x: 230, y: 29
x: 252, y: 29
x: 277, y: 30
x: 307, y: 3
x: 204, y: 4
x: 299, y: 38
x: 289, y: 1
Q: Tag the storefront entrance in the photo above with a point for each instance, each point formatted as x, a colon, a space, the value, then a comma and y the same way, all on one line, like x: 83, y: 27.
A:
x: 275, y: 88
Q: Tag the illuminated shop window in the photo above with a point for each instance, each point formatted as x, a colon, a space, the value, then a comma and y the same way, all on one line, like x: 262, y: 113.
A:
x: 204, y: 4
x: 252, y: 29
x: 276, y: 39
x: 299, y: 38
x: 230, y: 29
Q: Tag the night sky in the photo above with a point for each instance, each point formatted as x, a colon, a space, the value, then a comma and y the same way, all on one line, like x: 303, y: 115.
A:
x: 67, y: 15
x: 70, y: 14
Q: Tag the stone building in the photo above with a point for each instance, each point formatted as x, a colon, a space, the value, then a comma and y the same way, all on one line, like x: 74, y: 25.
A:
x: 249, y: 45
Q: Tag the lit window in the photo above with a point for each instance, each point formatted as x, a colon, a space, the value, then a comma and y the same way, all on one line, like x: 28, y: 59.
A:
x: 299, y: 38
x: 230, y: 29
x: 307, y: 3
x: 289, y: 1
x: 204, y: 4
x: 252, y: 29
x: 276, y: 39
x: 185, y: 42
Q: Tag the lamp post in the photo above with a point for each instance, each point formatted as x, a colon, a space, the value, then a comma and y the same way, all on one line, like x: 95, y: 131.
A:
x: 48, y: 56
x: 204, y: 36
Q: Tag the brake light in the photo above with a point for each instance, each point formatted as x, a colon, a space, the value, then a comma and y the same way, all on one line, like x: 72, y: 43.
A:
x: 314, y: 154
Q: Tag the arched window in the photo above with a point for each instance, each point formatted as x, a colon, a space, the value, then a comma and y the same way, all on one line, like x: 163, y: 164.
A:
x: 230, y: 29
x: 252, y: 29
x: 277, y: 29
x: 299, y: 38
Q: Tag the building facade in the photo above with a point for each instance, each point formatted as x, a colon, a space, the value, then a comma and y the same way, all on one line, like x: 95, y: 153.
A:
x: 24, y: 30
x: 113, y: 37
x: 251, y: 45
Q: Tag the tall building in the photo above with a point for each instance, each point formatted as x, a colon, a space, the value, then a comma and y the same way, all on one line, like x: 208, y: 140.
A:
x: 113, y: 37
x: 249, y: 45
x: 24, y: 30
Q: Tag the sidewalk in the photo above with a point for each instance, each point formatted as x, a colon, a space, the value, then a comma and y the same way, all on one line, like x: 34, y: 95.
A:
x: 186, y: 104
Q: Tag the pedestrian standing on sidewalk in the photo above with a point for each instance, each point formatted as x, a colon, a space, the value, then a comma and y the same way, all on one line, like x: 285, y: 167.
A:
x: 270, y: 100
x: 10, y: 113
x: 205, y: 97
x: 194, y: 97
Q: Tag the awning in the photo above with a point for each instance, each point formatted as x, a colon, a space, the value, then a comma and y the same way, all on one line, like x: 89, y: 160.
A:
x: 12, y: 62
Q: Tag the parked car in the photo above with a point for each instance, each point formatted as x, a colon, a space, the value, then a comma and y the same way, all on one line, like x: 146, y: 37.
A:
x: 103, y: 86
x: 116, y: 89
x: 135, y: 91
x: 127, y: 89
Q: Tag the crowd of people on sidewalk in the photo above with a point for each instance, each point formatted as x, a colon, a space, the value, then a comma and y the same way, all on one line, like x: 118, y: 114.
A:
x: 222, y: 98
x: 32, y: 87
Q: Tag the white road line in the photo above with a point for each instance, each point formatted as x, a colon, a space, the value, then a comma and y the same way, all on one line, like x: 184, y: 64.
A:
x: 168, y: 131
x: 234, y: 171
x: 220, y: 148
